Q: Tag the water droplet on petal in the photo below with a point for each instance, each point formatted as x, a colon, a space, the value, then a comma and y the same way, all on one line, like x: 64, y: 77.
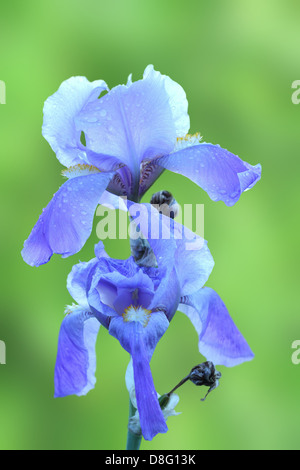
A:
x: 92, y: 119
x: 103, y: 113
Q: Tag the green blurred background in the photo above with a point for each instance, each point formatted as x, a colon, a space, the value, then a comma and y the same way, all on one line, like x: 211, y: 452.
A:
x: 236, y: 61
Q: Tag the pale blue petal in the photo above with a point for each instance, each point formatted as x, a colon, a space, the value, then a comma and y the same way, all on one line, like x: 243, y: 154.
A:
x: 76, y: 358
x: 220, y: 341
x: 131, y: 123
x: 223, y: 175
x: 60, y: 111
x: 66, y: 223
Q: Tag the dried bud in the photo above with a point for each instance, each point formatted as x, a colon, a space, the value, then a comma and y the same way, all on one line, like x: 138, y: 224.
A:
x: 142, y: 253
x: 205, y: 374
x: 165, y: 203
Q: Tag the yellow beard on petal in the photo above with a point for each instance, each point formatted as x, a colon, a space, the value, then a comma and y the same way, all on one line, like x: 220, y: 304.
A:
x: 79, y: 170
x: 137, y: 314
x: 187, y: 141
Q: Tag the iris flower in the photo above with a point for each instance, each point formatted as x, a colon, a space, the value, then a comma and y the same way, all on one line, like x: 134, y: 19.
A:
x: 116, y: 143
x: 136, y: 304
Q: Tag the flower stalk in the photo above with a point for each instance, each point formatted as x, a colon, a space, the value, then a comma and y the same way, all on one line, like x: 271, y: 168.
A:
x: 133, y: 440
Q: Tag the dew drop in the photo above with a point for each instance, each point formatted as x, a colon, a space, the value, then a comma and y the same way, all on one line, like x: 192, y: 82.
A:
x: 103, y: 112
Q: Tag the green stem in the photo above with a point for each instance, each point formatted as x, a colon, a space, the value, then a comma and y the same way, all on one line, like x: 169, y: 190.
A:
x: 133, y: 440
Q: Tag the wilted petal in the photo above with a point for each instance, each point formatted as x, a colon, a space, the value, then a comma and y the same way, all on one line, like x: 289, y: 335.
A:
x: 76, y: 359
x: 223, y: 175
x: 219, y: 339
x: 66, y: 223
x: 60, y: 111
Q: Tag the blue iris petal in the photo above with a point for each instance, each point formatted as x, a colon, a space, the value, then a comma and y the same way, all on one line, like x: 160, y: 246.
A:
x: 60, y: 110
x: 131, y: 123
x: 140, y: 342
x: 219, y: 339
x: 66, y: 223
x: 76, y: 359
x: 77, y: 281
x: 174, y: 245
x: 223, y: 175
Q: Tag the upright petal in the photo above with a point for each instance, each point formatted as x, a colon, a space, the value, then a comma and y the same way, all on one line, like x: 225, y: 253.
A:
x: 100, y: 252
x: 77, y: 281
x: 102, y: 284
x: 66, y: 223
x: 60, y: 111
x: 140, y: 342
x: 219, y: 339
x: 132, y: 123
x: 177, y: 100
x: 223, y: 175
x: 76, y: 359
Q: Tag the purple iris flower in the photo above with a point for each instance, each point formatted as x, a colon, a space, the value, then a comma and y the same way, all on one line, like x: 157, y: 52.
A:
x: 136, y: 305
x: 116, y: 143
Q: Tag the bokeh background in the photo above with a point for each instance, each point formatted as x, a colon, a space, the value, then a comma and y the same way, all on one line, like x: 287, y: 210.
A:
x: 236, y: 61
